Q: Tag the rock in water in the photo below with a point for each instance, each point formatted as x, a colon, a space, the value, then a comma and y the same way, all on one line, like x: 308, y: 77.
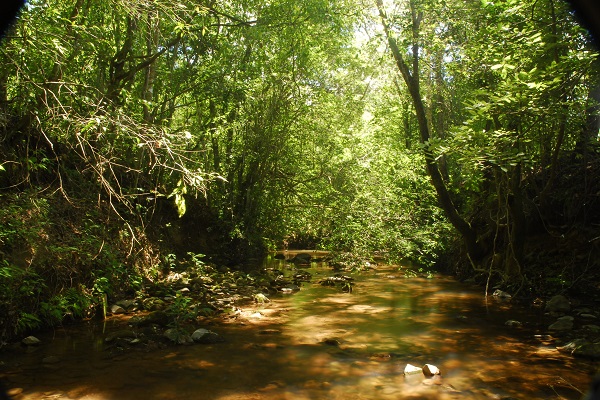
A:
x: 558, y: 304
x: 120, y: 334
x: 562, y: 324
x: 500, y: 294
x: 302, y: 259
x: 570, y: 347
x: 430, y: 370
x: 31, y: 341
x: 177, y: 336
x: 412, y: 370
x: 205, y: 336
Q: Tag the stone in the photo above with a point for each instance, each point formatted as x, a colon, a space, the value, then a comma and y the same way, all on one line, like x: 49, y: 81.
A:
x: 31, y: 341
x: 302, y: 259
x: 177, y: 336
x: 501, y: 294
x: 290, y: 288
x: 558, y: 304
x: 126, y: 304
x: 205, y: 336
x: 562, y: 324
x: 331, y: 342
x: 513, y: 323
x: 430, y: 370
x: 121, y: 334
x: 582, y: 348
x: 117, y: 309
x: 155, y: 317
x: 571, y: 346
x: 588, y: 350
x: 153, y: 304
x: 412, y: 370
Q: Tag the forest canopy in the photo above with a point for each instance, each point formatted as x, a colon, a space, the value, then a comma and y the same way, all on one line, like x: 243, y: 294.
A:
x: 462, y: 134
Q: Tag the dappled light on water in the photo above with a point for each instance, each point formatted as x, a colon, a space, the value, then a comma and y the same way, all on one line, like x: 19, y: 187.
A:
x: 322, y: 343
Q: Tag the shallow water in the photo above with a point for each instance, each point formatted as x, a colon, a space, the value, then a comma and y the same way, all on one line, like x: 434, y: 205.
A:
x: 321, y: 343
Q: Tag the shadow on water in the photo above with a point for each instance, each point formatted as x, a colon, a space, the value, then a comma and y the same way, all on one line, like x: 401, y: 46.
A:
x: 321, y: 343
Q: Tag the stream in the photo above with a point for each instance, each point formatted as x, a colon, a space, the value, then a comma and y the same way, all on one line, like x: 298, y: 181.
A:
x: 320, y: 343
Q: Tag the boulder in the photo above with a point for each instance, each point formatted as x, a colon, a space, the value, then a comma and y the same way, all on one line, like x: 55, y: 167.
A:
x: 31, y: 341
x: 205, y: 336
x: 562, y: 324
x: 558, y: 304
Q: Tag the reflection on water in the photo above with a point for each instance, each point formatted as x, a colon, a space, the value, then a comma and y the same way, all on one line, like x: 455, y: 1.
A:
x: 321, y: 343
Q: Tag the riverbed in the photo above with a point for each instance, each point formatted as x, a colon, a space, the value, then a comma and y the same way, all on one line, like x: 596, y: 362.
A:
x: 321, y: 342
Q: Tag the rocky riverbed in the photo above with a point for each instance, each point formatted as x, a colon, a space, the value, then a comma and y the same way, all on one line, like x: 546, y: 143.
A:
x: 304, y: 330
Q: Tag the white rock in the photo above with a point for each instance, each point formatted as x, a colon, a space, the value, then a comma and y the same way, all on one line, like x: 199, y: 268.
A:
x: 412, y: 370
x: 430, y: 370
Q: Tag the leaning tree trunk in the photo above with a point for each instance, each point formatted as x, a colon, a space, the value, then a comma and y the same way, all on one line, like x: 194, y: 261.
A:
x: 411, y: 80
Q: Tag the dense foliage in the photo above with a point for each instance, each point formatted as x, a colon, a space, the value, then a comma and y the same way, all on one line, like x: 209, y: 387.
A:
x: 137, y: 132
x: 505, y: 95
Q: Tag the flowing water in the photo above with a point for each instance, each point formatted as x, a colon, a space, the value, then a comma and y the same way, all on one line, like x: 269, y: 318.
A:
x: 321, y: 343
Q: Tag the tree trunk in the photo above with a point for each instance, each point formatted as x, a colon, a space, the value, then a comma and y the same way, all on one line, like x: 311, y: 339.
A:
x: 150, y: 73
x: 468, y: 234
